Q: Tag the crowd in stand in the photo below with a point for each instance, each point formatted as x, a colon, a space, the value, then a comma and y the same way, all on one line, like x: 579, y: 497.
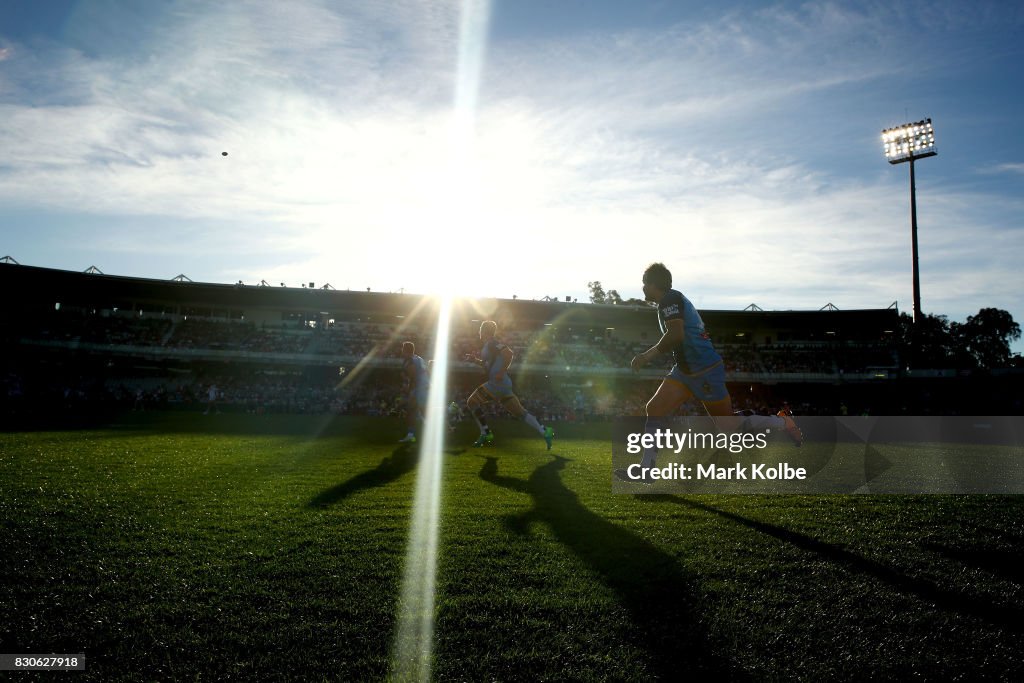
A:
x: 561, y: 400
x: 98, y: 329
x: 559, y: 350
x: 380, y: 397
x: 261, y: 393
x: 203, y: 334
x: 544, y: 347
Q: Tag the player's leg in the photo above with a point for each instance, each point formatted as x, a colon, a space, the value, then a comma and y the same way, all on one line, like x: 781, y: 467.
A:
x: 666, y: 400
x: 515, y: 407
x: 412, y: 414
x: 725, y: 418
x: 475, y: 404
x: 720, y: 408
x: 728, y: 421
x: 491, y: 390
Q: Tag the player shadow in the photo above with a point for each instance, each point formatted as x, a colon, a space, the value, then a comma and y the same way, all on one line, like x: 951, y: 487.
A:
x: 1007, y: 564
x: 650, y: 583
x: 1005, y: 616
x: 401, y: 461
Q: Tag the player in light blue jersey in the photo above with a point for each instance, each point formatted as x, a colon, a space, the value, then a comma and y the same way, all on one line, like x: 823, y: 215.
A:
x: 495, y: 358
x: 698, y: 371
x: 416, y: 375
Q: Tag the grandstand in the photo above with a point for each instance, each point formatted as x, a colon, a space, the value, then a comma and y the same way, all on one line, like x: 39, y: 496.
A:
x: 90, y: 338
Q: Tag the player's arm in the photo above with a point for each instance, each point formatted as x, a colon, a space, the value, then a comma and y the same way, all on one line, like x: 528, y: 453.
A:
x: 672, y: 338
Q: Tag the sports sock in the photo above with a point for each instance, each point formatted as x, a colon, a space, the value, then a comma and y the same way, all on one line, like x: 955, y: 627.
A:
x: 760, y: 423
x: 532, y: 421
x: 651, y: 454
x: 481, y: 421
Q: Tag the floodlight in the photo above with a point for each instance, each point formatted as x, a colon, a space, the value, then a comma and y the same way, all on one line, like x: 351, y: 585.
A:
x: 910, y: 142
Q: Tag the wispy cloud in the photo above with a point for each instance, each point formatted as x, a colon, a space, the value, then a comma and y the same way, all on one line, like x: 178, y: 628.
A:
x: 727, y: 148
x: 1003, y: 169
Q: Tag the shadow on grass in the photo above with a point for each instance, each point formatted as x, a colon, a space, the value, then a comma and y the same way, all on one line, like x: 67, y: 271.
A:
x: 402, y: 461
x: 1006, y: 616
x: 1007, y: 564
x: 648, y: 581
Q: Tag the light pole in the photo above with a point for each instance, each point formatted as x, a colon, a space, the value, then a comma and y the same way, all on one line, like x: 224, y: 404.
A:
x: 910, y: 142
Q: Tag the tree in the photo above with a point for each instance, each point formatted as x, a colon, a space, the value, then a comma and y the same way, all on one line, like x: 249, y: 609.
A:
x: 984, y: 339
x: 612, y: 296
x: 926, y: 343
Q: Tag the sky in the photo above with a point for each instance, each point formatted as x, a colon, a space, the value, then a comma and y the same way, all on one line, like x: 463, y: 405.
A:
x: 520, y: 147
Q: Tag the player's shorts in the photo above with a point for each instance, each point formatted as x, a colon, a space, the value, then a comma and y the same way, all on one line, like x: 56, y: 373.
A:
x: 707, y: 385
x: 420, y: 396
x: 499, y: 390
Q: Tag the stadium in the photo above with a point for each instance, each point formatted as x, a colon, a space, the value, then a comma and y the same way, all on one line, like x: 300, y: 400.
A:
x: 115, y: 341
x: 342, y: 396
x: 262, y: 534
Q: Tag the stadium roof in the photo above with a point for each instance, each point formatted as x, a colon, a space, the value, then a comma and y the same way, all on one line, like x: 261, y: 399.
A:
x: 31, y: 287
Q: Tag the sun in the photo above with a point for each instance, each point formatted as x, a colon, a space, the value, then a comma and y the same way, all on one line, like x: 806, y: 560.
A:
x: 452, y: 235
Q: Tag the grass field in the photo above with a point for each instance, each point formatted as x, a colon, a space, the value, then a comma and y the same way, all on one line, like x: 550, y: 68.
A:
x: 235, y: 547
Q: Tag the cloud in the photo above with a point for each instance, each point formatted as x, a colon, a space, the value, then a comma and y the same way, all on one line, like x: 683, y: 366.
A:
x: 725, y: 148
x: 1003, y: 169
x: 295, y: 98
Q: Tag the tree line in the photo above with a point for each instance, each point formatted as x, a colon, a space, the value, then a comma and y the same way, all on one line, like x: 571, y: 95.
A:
x: 981, y: 342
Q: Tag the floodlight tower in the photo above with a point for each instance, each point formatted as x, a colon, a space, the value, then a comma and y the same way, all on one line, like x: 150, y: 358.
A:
x: 910, y: 142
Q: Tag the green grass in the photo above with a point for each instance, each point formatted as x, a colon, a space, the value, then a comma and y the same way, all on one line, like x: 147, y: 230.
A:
x: 235, y: 547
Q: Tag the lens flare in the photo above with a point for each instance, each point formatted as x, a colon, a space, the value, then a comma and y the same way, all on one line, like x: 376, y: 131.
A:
x: 412, y: 654
x: 411, y: 658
